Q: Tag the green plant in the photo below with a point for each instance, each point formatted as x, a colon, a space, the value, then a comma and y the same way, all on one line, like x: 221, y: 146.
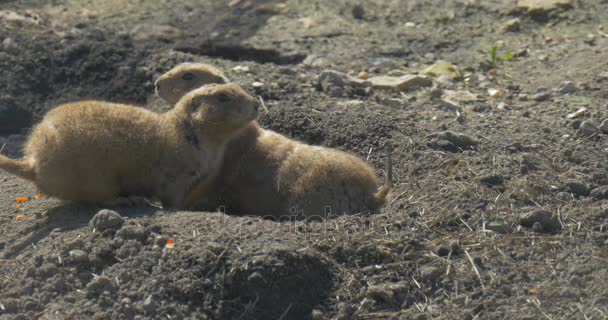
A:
x: 494, y: 59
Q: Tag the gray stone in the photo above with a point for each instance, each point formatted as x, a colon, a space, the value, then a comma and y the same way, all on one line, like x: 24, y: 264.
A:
x: 511, y: 25
x: 604, y: 126
x: 451, y: 141
x: 430, y: 273
x: 442, y: 68
x: 78, y: 256
x: 545, y: 220
x: 542, y: 6
x: 337, y: 84
x: 588, y: 129
x: 98, y: 285
x: 132, y: 233
x: 541, y: 96
x: 577, y: 188
x: 106, y: 219
x: 567, y: 87
x: 402, y: 83
x: 148, y: 32
x: 497, y: 227
x: 600, y: 193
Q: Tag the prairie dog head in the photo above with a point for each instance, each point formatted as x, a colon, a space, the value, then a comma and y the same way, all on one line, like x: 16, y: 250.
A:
x: 221, y: 109
x: 185, y: 77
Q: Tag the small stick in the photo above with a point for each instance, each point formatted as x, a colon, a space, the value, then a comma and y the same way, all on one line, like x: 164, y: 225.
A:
x: 2, y: 148
x: 475, y: 269
x: 263, y: 104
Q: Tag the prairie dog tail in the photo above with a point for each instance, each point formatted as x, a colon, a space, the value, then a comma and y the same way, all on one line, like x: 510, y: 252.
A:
x: 388, y: 183
x: 21, y: 169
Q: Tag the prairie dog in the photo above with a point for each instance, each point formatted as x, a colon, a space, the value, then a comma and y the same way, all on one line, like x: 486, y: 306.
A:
x: 184, y: 77
x: 93, y: 151
x: 265, y: 173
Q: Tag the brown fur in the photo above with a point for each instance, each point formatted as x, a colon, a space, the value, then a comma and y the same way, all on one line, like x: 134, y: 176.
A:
x: 94, y: 151
x: 265, y: 173
x: 184, y: 77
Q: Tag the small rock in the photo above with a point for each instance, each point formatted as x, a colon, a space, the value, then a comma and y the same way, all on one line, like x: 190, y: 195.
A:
x: 315, y: 61
x: 132, y: 233
x: 381, y: 294
x: 541, y: 96
x: 430, y: 273
x: 440, y: 68
x: 363, y: 75
x: 403, y: 83
x: 317, y: 314
x: 497, y: 227
x: 600, y: 193
x: 604, y: 126
x: 257, y: 84
x: 542, y: 6
x: 492, y: 180
x: 18, y: 19
x: 106, y: 219
x: 8, y: 44
x: 588, y: 129
x: 453, y: 142
x: 148, y: 32
x: 78, y: 256
x: 577, y: 188
x: 512, y: 25
x: 567, y: 87
x: 98, y: 285
x: 548, y: 222
x: 396, y: 73
x: 537, y: 227
x: 239, y: 68
x: 358, y: 12
x: 443, y: 251
x: 149, y: 305
x: 337, y: 84
x: 10, y: 306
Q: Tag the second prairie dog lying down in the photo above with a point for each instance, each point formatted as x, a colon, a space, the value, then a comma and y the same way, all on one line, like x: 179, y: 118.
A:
x: 265, y: 173
x: 94, y: 151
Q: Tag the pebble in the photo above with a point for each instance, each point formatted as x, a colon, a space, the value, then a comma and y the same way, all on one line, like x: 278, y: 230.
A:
x: 149, y: 305
x: 442, y: 68
x: 600, y: 193
x: 315, y: 61
x: 604, y: 126
x: 577, y: 188
x: 402, y: 83
x: 99, y: 285
x: 430, y: 273
x: 454, y: 141
x: 148, y: 32
x: 443, y: 250
x: 8, y: 44
x: 257, y: 84
x: 336, y: 84
x: 132, y: 233
x: 541, y: 96
x: 363, y: 75
x: 545, y: 220
x: 588, y: 129
x: 512, y: 25
x: 78, y: 256
x: 106, y: 219
x: 497, y: 227
x: 241, y: 69
x: 567, y: 87
x: 492, y: 179
x: 358, y: 12
x: 542, y: 6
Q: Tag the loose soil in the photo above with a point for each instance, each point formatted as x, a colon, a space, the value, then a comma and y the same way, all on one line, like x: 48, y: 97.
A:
x: 509, y: 221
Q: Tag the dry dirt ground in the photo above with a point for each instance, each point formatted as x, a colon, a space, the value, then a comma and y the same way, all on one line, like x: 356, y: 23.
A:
x: 500, y: 207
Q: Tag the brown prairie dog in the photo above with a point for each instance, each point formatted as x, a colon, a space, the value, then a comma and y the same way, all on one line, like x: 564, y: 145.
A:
x: 94, y: 151
x: 265, y: 173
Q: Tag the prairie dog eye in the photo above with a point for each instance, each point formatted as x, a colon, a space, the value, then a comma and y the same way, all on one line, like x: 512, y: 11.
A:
x: 188, y: 76
x: 222, y: 97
